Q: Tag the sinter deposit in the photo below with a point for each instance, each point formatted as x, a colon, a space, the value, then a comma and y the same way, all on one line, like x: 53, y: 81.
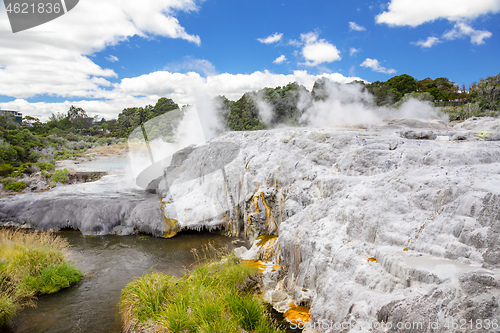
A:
x: 397, y: 224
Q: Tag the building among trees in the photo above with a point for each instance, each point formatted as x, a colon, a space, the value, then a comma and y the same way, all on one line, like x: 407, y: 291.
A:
x: 17, y: 115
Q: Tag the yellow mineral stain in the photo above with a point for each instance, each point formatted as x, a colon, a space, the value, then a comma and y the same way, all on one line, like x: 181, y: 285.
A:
x: 297, y: 315
x: 170, y: 226
x: 260, y: 265
x: 405, y: 249
x: 255, y: 263
x: 372, y: 259
x: 482, y: 134
x: 263, y: 239
x: 255, y: 204
x: 269, y: 211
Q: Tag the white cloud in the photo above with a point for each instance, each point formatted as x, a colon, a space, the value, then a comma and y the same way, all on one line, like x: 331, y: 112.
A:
x: 428, y: 43
x: 112, y: 58
x: 281, y: 59
x: 192, y: 64
x: 182, y: 88
x: 54, y: 58
x: 374, y: 65
x: 461, y: 30
x: 353, y: 26
x: 271, y: 39
x: 353, y: 51
x: 317, y: 51
x: 414, y: 13
x: 295, y: 43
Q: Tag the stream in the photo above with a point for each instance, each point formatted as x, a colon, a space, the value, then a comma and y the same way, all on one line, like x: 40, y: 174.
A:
x: 109, y: 263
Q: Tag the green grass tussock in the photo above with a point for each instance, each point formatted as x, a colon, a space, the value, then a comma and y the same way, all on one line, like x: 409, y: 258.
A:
x: 31, y: 263
x: 208, y: 300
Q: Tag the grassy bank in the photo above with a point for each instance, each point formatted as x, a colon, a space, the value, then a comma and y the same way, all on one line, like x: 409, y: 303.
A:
x: 212, y: 298
x: 31, y: 263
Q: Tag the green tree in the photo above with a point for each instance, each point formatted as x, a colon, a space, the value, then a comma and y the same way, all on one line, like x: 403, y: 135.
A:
x: 284, y: 102
x: 164, y: 105
x: 487, y: 95
x: 402, y: 84
x: 425, y: 97
x: 382, y: 93
x: 244, y: 115
x: 131, y: 118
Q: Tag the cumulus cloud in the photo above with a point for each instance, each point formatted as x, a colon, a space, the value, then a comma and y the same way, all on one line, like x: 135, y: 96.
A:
x: 281, y: 59
x: 353, y: 26
x: 375, y: 66
x: 462, y: 30
x: 415, y: 13
x: 428, y: 43
x: 55, y: 57
x: 317, y: 51
x: 271, y: 39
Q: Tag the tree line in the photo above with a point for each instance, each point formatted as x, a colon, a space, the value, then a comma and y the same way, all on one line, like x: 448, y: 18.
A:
x: 65, y: 133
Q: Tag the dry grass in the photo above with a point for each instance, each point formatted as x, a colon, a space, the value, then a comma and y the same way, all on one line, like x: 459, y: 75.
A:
x: 120, y: 149
x: 31, y: 263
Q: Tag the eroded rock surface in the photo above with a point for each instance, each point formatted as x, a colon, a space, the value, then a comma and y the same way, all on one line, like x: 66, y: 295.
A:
x: 398, y: 223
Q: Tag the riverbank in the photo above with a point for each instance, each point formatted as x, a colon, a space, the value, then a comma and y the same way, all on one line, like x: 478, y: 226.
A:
x: 109, y: 263
x: 31, y: 264
x: 218, y: 296
x: 40, y: 177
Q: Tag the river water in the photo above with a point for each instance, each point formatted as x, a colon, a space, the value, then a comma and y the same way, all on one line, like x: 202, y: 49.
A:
x: 109, y: 263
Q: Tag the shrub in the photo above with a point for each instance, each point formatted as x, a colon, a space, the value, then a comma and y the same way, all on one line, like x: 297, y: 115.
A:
x: 45, y: 166
x: 7, y: 180
x: 61, y: 176
x: 6, y: 169
x: 15, y: 186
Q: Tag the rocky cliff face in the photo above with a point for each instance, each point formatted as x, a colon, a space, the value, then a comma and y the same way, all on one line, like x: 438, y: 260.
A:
x: 392, y: 228
x: 383, y: 229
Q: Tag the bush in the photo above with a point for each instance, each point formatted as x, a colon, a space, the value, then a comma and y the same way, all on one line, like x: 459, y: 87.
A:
x: 15, y: 186
x: 45, y: 166
x: 65, y: 155
x: 6, y: 169
x: 61, y: 176
x: 7, y: 181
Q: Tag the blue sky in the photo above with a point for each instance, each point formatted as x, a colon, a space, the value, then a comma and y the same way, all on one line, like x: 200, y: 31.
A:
x: 104, y: 56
